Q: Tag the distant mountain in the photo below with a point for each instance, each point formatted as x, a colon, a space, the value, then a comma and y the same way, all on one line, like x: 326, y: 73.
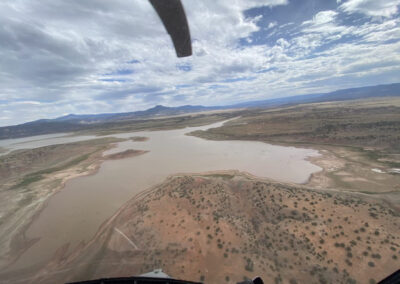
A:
x: 75, y: 122
x: 340, y: 95
x: 156, y: 111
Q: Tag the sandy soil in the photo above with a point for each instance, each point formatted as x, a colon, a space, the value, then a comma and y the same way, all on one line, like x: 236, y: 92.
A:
x: 355, y: 137
x: 223, y: 227
x: 21, y: 206
x: 155, y: 229
x: 346, y: 169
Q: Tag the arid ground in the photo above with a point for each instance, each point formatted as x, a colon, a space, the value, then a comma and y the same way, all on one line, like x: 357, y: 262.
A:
x: 228, y: 226
x: 343, y: 226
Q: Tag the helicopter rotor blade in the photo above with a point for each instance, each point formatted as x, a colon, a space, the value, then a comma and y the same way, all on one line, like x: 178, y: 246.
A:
x: 173, y: 17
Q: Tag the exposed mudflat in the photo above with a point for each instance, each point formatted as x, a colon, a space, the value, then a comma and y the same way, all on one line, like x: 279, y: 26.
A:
x: 139, y: 138
x: 125, y: 154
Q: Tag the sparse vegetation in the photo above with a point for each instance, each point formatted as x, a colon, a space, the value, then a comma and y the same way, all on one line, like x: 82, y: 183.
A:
x: 253, y: 231
x: 357, y: 135
x: 291, y: 234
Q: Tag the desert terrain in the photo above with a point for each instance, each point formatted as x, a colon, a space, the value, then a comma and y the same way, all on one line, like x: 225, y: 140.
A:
x: 228, y: 226
x: 360, y: 139
x: 341, y: 226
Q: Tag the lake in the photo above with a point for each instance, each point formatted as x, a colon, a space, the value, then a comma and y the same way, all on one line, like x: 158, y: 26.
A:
x: 75, y: 213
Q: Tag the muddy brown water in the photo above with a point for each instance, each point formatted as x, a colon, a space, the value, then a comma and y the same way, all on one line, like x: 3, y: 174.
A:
x: 75, y: 213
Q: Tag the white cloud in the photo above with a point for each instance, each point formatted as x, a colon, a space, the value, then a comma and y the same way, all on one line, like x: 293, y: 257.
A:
x: 272, y: 25
x: 384, y: 8
x: 324, y: 17
x: 86, y: 56
x: 323, y: 23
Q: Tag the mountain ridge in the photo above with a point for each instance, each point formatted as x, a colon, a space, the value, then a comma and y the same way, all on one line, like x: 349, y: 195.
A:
x: 75, y: 122
x: 158, y: 110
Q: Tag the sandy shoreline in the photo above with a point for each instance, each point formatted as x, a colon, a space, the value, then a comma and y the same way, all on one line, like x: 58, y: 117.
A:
x: 19, y: 243
x: 325, y: 160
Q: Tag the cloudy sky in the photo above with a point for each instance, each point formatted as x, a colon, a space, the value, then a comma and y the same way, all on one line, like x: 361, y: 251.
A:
x: 94, y: 56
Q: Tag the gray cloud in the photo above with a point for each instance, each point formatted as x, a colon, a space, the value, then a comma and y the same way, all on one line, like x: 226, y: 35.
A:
x: 124, y: 93
x: 59, y: 57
